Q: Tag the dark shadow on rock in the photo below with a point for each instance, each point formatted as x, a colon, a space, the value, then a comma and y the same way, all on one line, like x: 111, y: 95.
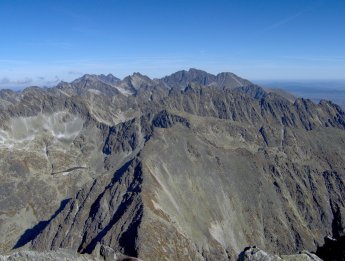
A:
x: 126, y: 201
x: 31, y: 233
x: 164, y: 120
x: 242, y: 255
x: 128, y: 238
x: 332, y: 250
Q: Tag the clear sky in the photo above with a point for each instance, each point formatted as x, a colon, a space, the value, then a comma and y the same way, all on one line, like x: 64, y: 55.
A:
x: 43, y: 42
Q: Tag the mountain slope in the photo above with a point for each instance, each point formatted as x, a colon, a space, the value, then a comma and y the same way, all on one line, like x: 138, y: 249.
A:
x: 195, y: 172
x: 181, y: 79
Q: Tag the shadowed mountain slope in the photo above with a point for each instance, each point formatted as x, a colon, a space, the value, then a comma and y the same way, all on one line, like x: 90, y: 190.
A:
x: 188, y: 167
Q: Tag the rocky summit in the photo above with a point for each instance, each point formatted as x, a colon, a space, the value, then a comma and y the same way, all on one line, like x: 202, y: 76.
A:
x: 192, y: 166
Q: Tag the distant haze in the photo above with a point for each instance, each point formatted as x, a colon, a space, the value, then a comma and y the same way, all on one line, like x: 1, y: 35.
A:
x: 314, y: 90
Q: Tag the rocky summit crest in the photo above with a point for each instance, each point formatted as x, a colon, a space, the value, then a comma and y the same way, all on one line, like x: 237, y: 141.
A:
x: 192, y: 166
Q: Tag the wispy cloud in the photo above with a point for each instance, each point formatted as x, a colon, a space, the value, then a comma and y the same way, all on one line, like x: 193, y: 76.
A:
x: 75, y: 73
x: 315, y: 58
x: 7, y: 81
x: 13, y: 62
x: 52, y: 82
x: 291, y: 17
x: 282, y: 22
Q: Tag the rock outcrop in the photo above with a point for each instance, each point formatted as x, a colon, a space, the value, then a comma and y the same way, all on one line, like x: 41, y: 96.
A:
x: 255, y: 254
x: 101, y: 253
x: 189, y: 167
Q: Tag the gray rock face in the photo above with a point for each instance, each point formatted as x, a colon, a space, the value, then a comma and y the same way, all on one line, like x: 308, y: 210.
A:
x: 255, y: 254
x: 189, y: 167
x: 182, y: 78
x: 101, y: 253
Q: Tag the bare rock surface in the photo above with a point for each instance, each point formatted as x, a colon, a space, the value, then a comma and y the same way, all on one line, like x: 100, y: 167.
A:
x: 100, y: 253
x: 255, y: 254
x: 192, y: 166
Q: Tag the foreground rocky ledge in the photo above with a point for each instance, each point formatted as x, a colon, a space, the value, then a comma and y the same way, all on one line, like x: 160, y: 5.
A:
x: 106, y: 253
x: 100, y: 253
x: 256, y: 254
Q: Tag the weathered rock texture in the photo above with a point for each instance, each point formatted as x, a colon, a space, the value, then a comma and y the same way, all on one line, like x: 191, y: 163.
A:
x: 100, y: 253
x: 255, y: 254
x: 189, y: 167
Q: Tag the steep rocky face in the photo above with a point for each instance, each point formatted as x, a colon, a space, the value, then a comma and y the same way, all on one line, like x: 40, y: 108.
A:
x: 255, y: 254
x: 181, y: 79
x: 100, y: 253
x: 185, y: 170
x: 109, y: 78
x: 90, y: 84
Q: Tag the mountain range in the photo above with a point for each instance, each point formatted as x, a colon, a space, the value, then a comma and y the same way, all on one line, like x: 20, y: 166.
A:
x: 192, y: 166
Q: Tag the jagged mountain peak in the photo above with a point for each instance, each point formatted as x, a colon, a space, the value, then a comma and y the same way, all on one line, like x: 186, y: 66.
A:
x: 131, y: 84
x: 90, y: 83
x: 231, y: 80
x: 135, y: 171
x: 136, y: 75
x: 182, y: 78
x: 197, y: 72
x: 108, y: 79
x: 136, y: 81
x: 85, y: 77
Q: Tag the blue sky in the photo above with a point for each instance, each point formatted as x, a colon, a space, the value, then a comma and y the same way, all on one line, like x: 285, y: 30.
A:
x: 44, y: 41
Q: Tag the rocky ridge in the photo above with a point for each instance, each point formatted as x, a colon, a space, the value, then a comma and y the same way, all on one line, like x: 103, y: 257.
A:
x: 255, y: 254
x: 192, y: 166
x: 100, y: 253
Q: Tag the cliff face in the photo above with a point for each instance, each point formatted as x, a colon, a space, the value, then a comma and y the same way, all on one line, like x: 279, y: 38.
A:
x: 193, y: 173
